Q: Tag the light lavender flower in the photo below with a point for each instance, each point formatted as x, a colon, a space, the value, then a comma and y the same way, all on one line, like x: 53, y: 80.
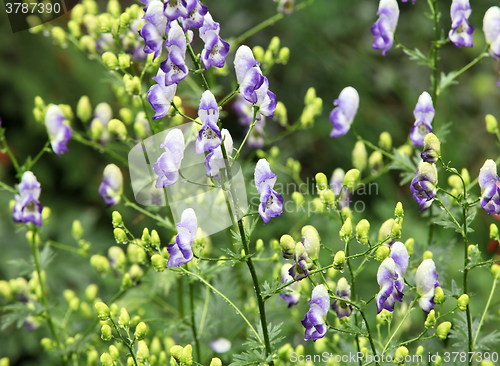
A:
x: 160, y: 96
x: 214, y: 161
x: 271, y: 202
x: 490, y: 190
x: 27, y: 207
x: 424, y: 114
x: 168, y: 164
x: 491, y: 28
x: 196, y: 12
x: 385, y: 26
x: 174, y: 66
x: 343, y: 290
x: 58, y: 129
x: 175, y: 9
x: 342, y: 116
x: 216, y: 49
x: 209, y: 136
x: 315, y: 319
x: 111, y: 187
x: 424, y: 186
x: 290, y: 293
x: 426, y: 280
x: 461, y: 30
x: 181, y: 251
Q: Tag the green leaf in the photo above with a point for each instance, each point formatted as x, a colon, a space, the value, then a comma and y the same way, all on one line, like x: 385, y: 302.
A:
x: 417, y: 56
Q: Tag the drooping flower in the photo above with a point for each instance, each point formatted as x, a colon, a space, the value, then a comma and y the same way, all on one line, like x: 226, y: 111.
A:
x: 27, y: 207
x: 181, y: 251
x: 167, y: 166
x: 390, y: 277
x: 290, y: 293
x: 111, y: 187
x: 160, y: 96
x: 342, y: 116
x: 424, y: 186
x: 490, y: 190
x: 343, y: 290
x: 153, y: 31
x: 426, y: 280
x: 216, y: 49
x: 424, y: 114
x: 385, y: 26
x: 491, y: 28
x: 244, y: 110
x: 196, y: 12
x: 461, y: 30
x: 220, y: 345
x: 337, y: 186
x: 271, y: 202
x: 174, y: 66
x: 209, y: 136
x: 214, y: 161
x: 254, y: 86
x: 315, y: 319
x: 303, y: 263
x: 58, y: 128
x: 175, y: 9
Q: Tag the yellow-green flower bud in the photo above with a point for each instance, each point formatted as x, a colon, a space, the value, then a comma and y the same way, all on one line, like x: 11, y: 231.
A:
x: 46, y: 212
x: 91, y: 292
x: 87, y: 43
x: 126, y: 281
x: 146, y: 237
x: 124, y: 61
x: 359, y: 156
x: 298, y: 198
x: 327, y: 197
x: 405, y: 150
x: 339, y: 260
x: 102, y: 310
x: 120, y: 235
x: 463, y: 302
x: 495, y: 270
x: 47, y: 344
x: 259, y: 245
x: 59, y: 35
x: 159, y: 263
x: 84, y: 109
x: 280, y: 114
x: 287, y: 245
x: 398, y: 210
x: 106, y: 359
x: 124, y: 318
x: 106, y: 332
x: 117, y: 219
x: 155, y: 238
x: 216, y: 362
x: 362, y: 231
x: 136, y: 254
x: 104, y: 21
x: 136, y: 273
x: 465, y: 176
x: 382, y: 253
x: 473, y: 250
x: 351, y: 179
x: 140, y: 330
x: 100, y: 263
x: 438, y: 295
x: 487, y: 363
x: 432, y: 148
x: 77, y: 230
x: 493, y: 231
x: 385, y: 316
x: 375, y: 161
x: 77, y: 13
x: 110, y: 60
x: 321, y: 181
x: 491, y: 124
x: 385, y: 230
x: 442, y: 330
x: 427, y: 255
x: 124, y: 21
x: 430, y: 321
x: 5, y: 291
x: 310, y: 96
x: 114, y: 8
x: 396, y: 230
x: 438, y: 361
x: 114, y: 352
x: 385, y: 141
x: 419, y: 351
x: 311, y: 241
x: 410, y: 245
x: 258, y: 53
x: 284, y: 55
x: 274, y: 45
x: 117, y: 128
x: 126, y: 115
x: 400, y: 354
x: 346, y: 230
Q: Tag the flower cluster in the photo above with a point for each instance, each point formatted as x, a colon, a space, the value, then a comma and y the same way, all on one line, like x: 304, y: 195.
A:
x: 27, y: 207
x: 314, y: 320
x: 390, y: 277
x: 271, y: 202
x: 181, y: 251
x: 489, y: 182
x: 305, y: 253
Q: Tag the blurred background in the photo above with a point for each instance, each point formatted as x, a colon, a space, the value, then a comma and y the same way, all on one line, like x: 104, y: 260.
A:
x: 330, y: 45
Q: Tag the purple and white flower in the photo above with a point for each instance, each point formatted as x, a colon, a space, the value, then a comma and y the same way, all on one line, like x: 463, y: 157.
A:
x: 426, y: 280
x: 461, y: 30
x: 153, y: 31
x: 111, y: 187
x: 196, y: 12
x: 27, y: 207
x: 490, y: 189
x: 424, y: 186
x: 209, y: 136
x: 160, y: 96
x: 291, y: 293
x: 343, y: 290
x: 168, y: 164
x: 491, y: 28
x: 214, y: 161
x: 216, y: 49
x: 271, y: 202
x: 315, y: 319
x: 58, y: 128
x: 390, y: 277
x: 174, y: 66
x: 342, y: 116
x: 254, y: 86
x: 303, y: 263
x: 175, y: 9
x: 385, y: 26
x: 181, y: 251
x: 424, y: 114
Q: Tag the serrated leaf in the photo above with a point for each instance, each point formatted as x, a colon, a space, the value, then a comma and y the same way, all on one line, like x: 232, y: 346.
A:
x: 446, y: 80
x: 417, y: 56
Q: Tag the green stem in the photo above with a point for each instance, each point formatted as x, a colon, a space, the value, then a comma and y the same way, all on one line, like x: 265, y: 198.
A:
x: 126, y: 342
x: 399, y: 326
x: 252, y: 125
x: 483, y: 316
x: 434, y: 49
x: 6, y: 147
x: 193, y: 321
